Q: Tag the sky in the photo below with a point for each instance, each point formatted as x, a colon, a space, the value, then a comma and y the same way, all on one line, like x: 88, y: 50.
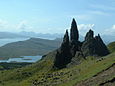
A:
x: 55, y: 16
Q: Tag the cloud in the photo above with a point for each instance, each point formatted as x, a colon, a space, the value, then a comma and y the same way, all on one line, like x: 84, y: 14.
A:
x: 9, y: 27
x: 22, y: 25
x: 113, y: 27
x: 110, y: 31
x: 3, y: 24
x: 83, y: 28
x: 25, y: 26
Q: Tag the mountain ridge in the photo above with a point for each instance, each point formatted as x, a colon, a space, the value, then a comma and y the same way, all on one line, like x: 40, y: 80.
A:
x: 30, y: 47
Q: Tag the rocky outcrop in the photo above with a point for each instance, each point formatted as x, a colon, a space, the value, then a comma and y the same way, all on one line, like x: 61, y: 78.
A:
x: 74, y: 35
x: 73, y: 51
x: 93, y: 46
x: 101, y: 48
x: 63, y: 56
x: 89, y: 35
x: 89, y: 45
x: 75, y: 44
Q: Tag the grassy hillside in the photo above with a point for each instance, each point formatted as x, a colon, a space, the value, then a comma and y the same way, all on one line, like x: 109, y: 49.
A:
x: 41, y: 73
x: 111, y: 47
x: 7, y: 66
x: 105, y: 77
x: 31, y: 47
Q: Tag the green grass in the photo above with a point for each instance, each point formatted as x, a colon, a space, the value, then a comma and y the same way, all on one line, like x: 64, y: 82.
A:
x: 111, y: 47
x: 7, y: 66
x: 41, y: 72
x: 91, y: 69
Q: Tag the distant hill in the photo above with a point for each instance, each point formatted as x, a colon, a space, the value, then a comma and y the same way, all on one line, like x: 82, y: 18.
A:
x: 24, y: 34
x: 111, y: 46
x: 31, y: 47
x: 41, y: 35
x: 4, y: 35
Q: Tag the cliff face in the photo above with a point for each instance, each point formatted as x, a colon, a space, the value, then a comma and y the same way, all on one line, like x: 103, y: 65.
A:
x: 71, y: 51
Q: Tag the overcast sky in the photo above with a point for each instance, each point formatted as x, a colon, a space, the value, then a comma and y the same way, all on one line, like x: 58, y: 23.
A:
x: 54, y: 16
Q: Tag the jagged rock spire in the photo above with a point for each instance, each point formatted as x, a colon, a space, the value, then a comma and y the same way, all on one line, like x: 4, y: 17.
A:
x: 66, y: 38
x: 74, y: 35
x: 101, y: 48
x: 89, y: 45
x: 63, y: 56
x: 89, y: 35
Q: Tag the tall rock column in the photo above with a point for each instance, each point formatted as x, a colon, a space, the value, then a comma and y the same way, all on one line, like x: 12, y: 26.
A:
x: 63, y: 56
x: 74, y: 36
